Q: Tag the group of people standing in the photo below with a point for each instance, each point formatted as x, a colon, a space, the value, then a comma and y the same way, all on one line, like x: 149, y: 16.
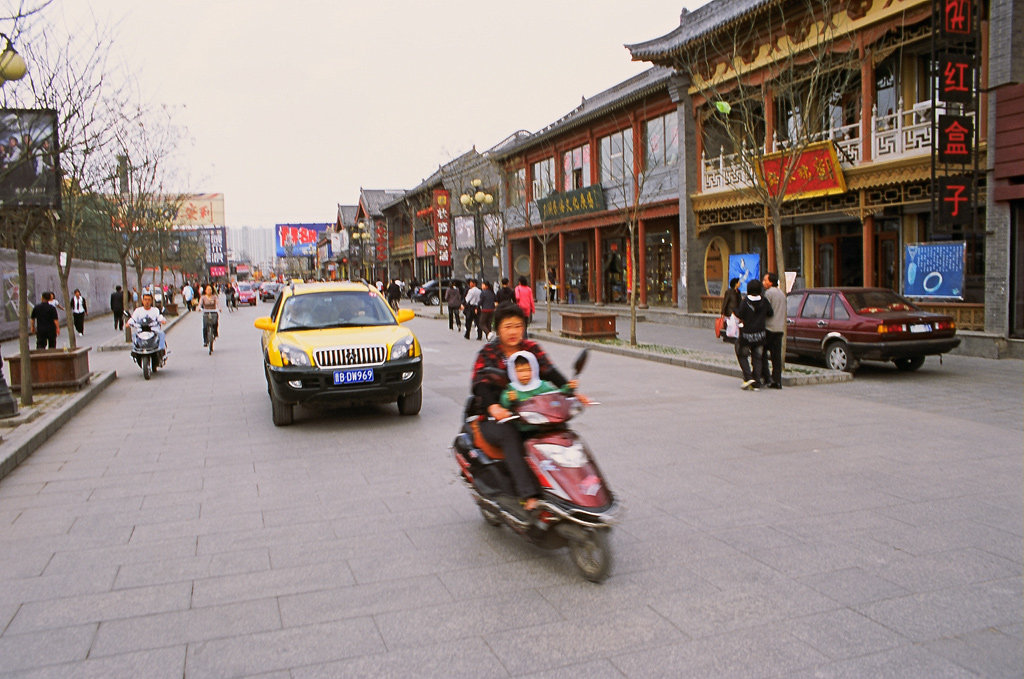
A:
x: 479, y: 303
x: 760, y: 316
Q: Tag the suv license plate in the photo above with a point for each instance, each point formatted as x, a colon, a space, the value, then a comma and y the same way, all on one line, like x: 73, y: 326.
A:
x: 920, y: 327
x: 353, y: 376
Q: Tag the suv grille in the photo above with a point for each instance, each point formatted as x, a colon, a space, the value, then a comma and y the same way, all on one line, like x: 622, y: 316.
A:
x: 346, y: 356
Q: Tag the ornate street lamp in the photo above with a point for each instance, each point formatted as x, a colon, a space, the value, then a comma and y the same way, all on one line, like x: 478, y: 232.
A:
x: 12, y: 65
x: 475, y: 199
x: 362, y: 236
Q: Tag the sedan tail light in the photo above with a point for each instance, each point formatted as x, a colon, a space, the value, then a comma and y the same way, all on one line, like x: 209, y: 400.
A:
x: 884, y: 328
x: 945, y: 325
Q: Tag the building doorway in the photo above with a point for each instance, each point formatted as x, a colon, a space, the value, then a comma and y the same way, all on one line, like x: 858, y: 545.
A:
x: 1017, y: 269
x: 659, y: 268
x: 577, y: 272
x: 839, y: 257
x: 614, y: 269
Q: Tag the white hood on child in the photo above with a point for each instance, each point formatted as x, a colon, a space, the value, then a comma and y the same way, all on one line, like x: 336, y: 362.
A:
x: 534, y: 368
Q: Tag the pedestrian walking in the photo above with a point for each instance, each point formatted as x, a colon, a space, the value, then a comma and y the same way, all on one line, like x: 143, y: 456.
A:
x: 504, y: 293
x: 486, y: 312
x: 45, y: 323
x: 524, y: 298
x: 187, y: 293
x: 774, y: 330
x: 79, y: 309
x: 470, y: 305
x: 117, y: 307
x: 753, y: 311
x: 453, y: 298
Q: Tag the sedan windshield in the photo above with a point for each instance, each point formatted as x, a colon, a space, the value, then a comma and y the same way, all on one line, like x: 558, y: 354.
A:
x: 348, y: 309
x: 878, y: 301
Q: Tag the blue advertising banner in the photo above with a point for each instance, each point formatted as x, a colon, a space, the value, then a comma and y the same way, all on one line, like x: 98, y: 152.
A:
x: 298, y: 240
x: 746, y: 267
x: 934, y: 270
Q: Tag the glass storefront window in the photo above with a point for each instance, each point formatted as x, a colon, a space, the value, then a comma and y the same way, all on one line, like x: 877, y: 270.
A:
x: 577, y: 272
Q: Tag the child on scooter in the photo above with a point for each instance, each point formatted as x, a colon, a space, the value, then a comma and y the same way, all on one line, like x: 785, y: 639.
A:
x: 524, y: 383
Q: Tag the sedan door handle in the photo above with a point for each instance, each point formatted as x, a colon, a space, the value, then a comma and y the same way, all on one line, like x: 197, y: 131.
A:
x: 790, y: 321
x: 822, y: 324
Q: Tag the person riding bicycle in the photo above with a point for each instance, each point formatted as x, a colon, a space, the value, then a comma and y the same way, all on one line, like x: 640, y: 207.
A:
x: 209, y: 303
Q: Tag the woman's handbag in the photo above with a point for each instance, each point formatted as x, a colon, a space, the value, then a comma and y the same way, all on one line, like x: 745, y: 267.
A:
x: 732, y: 327
x: 719, y: 326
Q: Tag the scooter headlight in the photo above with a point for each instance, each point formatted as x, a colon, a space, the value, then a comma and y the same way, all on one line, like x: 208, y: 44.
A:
x: 564, y: 456
x: 293, y: 356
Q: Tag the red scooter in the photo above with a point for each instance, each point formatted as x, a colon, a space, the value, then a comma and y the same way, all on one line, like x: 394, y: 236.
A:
x: 576, y: 507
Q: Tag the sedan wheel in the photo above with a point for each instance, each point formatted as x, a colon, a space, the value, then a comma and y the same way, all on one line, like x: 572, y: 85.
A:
x: 837, y: 357
x: 909, y: 364
x: 432, y: 299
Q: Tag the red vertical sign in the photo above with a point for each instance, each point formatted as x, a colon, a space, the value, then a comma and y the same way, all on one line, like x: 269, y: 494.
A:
x: 441, y: 216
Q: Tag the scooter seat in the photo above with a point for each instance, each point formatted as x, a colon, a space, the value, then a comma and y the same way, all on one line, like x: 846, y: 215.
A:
x: 488, y: 449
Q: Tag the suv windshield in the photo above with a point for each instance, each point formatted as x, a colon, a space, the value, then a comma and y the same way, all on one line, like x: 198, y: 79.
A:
x: 337, y: 309
x: 878, y: 301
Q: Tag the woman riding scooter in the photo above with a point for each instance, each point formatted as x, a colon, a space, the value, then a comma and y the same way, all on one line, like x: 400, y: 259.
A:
x: 487, y: 387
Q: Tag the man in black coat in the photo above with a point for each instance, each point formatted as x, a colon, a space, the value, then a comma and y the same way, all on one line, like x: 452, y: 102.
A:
x: 45, y: 323
x: 117, y: 307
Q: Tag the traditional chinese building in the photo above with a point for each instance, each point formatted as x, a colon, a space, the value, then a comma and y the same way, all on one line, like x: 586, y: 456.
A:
x: 572, y: 189
x: 877, y: 123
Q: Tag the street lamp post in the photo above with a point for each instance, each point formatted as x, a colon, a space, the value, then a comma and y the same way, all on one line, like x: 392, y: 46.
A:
x: 475, y: 199
x: 12, y: 67
x: 363, y: 237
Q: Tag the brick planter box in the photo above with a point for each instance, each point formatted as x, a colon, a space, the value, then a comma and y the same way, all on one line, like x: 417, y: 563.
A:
x: 52, y: 369
x: 171, y: 309
x: 588, y: 325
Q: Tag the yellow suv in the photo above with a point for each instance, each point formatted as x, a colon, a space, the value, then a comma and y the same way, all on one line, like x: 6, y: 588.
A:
x: 339, y: 343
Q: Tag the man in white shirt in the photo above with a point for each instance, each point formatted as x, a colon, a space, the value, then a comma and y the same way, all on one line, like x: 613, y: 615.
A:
x: 471, y: 305
x: 187, y: 293
x: 78, y: 311
x: 147, y: 310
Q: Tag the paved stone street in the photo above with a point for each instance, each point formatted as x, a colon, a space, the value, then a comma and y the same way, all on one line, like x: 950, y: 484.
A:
x: 865, y: 529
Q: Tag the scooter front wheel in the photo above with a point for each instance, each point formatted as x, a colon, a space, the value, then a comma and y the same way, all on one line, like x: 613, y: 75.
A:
x: 146, y: 367
x: 592, y: 555
x: 490, y: 516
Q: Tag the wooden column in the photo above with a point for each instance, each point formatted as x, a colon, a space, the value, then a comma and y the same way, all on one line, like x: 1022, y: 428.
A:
x: 533, y: 263
x: 560, y: 274
x: 641, y: 261
x: 598, y: 269
x: 868, y: 247
x: 770, y: 232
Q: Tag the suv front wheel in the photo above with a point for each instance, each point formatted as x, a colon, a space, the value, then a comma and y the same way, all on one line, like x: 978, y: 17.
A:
x: 409, y: 404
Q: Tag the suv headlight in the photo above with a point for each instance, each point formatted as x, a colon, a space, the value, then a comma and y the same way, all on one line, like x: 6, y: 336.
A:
x: 293, y: 356
x: 403, y: 348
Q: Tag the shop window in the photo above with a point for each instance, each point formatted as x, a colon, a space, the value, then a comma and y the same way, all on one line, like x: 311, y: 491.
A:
x: 543, y: 178
x: 516, y: 188
x: 576, y: 164
x: 617, y: 158
x: 661, y: 137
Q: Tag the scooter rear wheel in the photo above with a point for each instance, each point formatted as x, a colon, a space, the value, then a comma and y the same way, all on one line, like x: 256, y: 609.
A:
x: 591, y: 555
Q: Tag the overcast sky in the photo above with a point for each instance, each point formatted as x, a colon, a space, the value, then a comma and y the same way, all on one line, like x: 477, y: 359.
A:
x: 293, y: 106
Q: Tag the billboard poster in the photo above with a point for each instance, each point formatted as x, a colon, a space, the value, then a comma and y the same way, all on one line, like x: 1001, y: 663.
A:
x: 441, y: 217
x: 934, y: 270
x: 201, y: 209
x: 298, y: 240
x: 215, y: 240
x: 746, y: 267
x: 29, y: 158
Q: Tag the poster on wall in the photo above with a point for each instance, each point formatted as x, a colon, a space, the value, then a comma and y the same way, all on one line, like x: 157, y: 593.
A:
x: 29, y: 159
x: 298, y: 240
x: 934, y: 270
x: 746, y: 267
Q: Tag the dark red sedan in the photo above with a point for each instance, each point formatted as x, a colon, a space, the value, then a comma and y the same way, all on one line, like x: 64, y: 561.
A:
x: 848, y: 325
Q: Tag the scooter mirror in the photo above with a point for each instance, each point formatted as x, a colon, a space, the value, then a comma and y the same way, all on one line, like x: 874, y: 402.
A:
x: 580, y: 361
